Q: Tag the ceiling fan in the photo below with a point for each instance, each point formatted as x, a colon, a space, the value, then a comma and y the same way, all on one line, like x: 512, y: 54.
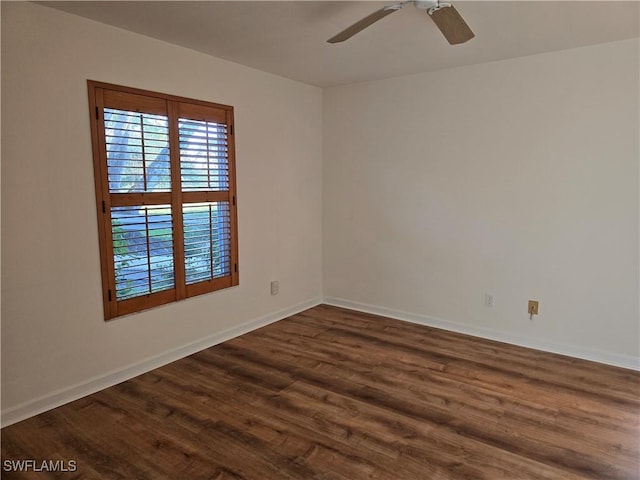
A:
x: 443, y: 14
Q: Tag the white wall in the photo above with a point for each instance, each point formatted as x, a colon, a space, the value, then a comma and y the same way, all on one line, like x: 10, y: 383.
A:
x: 517, y: 178
x: 55, y: 344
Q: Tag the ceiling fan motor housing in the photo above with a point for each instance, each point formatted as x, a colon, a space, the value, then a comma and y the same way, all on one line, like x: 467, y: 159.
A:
x: 430, y: 5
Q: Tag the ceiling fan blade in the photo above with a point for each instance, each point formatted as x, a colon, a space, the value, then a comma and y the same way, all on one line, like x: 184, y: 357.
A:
x: 451, y: 24
x: 362, y: 24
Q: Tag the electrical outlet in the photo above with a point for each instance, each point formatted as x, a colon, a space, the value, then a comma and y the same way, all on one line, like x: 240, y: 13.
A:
x: 532, y: 308
x: 275, y: 287
x: 489, y: 300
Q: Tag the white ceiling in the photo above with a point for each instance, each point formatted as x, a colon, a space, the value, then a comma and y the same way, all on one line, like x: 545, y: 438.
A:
x: 289, y: 38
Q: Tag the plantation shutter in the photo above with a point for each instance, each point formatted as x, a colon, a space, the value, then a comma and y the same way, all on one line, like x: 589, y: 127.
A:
x: 165, y: 185
x: 204, y: 170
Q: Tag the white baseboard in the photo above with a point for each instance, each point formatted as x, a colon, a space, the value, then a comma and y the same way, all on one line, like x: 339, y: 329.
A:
x: 586, y: 353
x: 65, y: 395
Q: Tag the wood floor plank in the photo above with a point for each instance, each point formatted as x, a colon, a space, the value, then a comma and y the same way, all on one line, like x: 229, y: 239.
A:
x: 333, y: 394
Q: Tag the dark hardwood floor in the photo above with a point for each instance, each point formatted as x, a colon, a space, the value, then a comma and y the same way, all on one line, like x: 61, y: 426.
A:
x: 334, y: 394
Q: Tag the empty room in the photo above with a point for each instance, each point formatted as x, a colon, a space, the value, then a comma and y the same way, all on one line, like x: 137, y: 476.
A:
x: 272, y: 240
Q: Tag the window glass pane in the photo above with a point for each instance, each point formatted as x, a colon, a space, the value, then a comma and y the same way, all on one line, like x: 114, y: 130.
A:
x: 142, y: 250
x: 204, y: 162
x: 207, y: 240
x: 137, y: 151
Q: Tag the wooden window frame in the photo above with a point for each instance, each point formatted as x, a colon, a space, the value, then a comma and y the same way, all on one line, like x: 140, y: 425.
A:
x: 108, y: 95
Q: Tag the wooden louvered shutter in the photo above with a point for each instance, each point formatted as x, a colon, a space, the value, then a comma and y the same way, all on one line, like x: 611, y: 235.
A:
x: 165, y: 185
x: 207, y: 199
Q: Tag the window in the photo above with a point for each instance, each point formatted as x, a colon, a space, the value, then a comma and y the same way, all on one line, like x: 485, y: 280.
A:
x: 165, y: 190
